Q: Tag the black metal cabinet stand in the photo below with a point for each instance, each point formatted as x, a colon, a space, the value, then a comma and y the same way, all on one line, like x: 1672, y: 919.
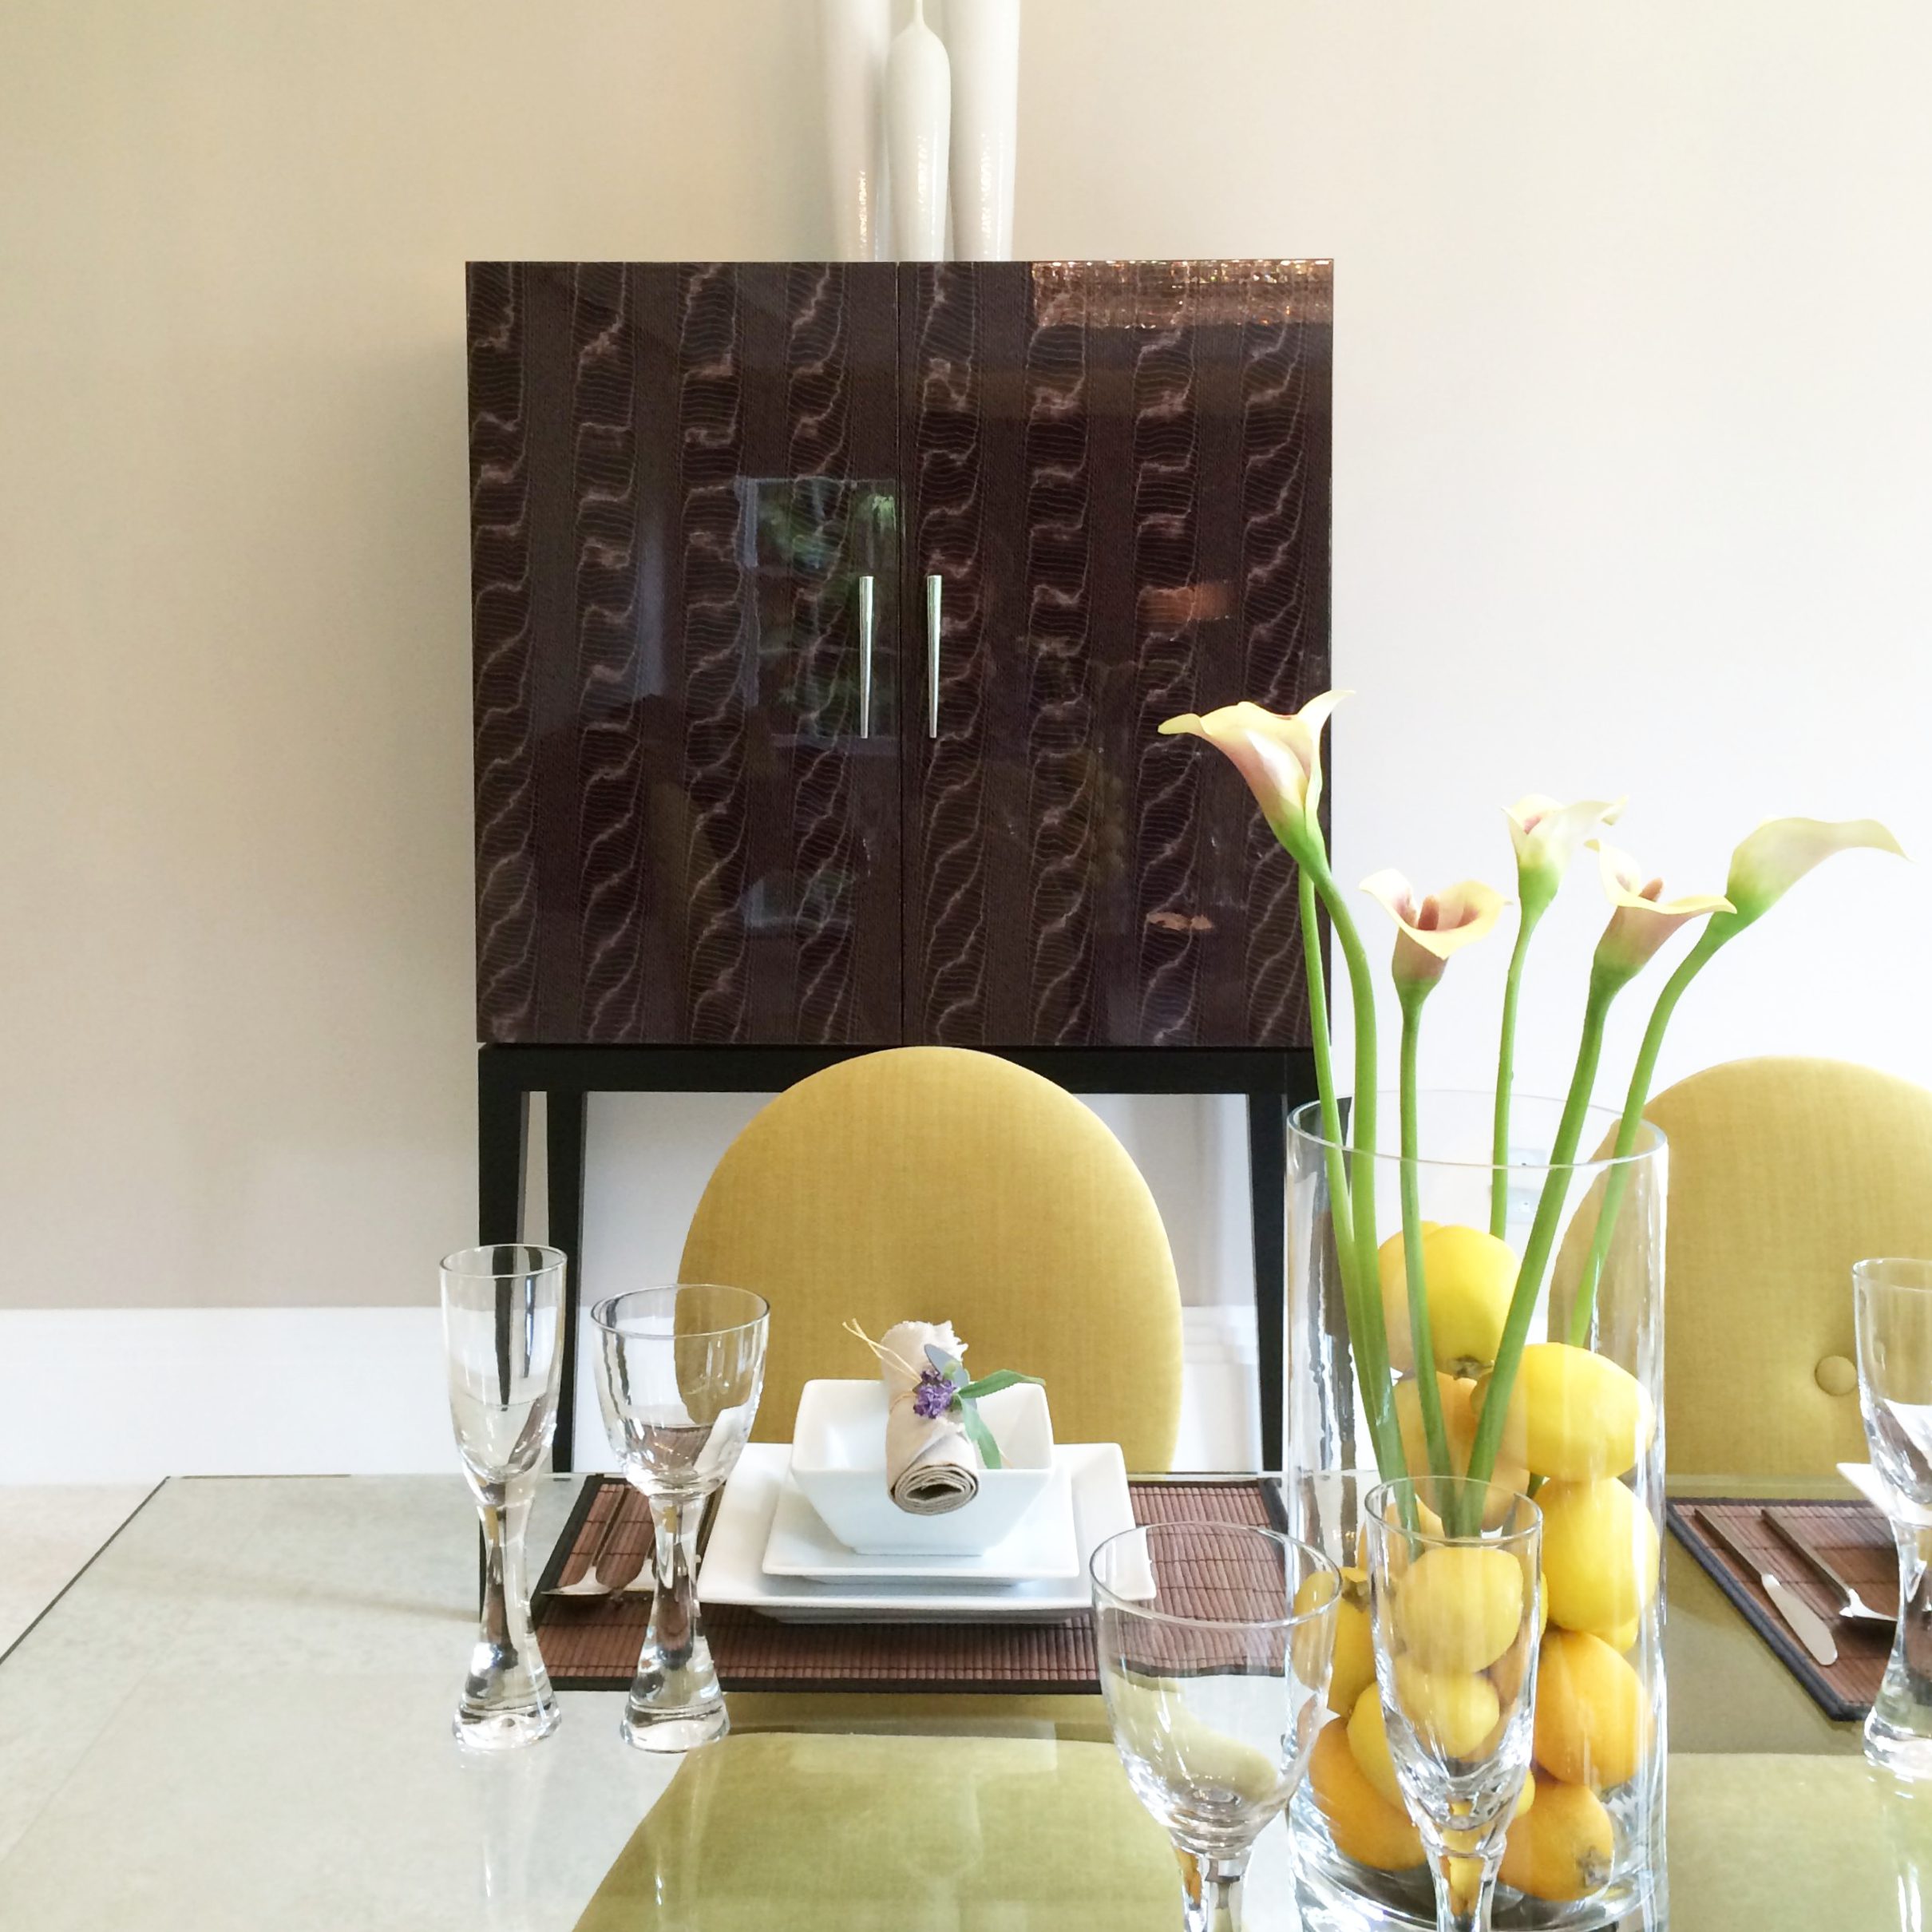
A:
x: 1273, y: 1081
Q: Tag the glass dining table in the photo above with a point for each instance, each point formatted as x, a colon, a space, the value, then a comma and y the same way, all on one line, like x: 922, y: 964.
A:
x: 238, y: 1715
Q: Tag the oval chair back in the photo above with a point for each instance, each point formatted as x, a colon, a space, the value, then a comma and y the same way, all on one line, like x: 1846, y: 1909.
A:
x: 1782, y: 1173
x: 934, y: 1184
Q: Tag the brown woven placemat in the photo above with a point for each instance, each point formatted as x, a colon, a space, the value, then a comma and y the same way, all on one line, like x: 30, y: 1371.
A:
x: 1853, y: 1538
x: 592, y: 1643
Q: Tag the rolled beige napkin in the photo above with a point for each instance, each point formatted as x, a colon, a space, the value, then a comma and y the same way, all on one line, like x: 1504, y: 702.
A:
x: 930, y: 1466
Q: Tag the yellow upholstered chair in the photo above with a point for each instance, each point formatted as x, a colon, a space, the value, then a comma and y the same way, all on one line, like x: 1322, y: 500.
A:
x: 1782, y: 1173
x: 931, y: 1184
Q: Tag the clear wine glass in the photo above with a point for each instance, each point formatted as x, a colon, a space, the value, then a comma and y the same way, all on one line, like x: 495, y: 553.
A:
x: 1214, y: 1641
x: 678, y: 1373
x: 1455, y: 1617
x: 1892, y: 1300
x: 502, y: 1318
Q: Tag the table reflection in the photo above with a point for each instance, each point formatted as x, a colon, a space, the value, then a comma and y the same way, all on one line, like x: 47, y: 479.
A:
x: 891, y: 1834
x: 1905, y: 1806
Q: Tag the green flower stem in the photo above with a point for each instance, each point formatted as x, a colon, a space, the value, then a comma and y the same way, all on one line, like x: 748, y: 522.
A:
x: 1341, y: 1223
x: 1434, y: 1434
x: 1583, y: 1309
x: 1324, y: 1061
x: 1372, y: 1339
x: 1506, y: 1069
x: 1604, y: 986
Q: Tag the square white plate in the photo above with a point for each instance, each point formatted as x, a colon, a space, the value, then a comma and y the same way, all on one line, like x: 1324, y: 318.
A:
x: 1041, y: 1547
x: 733, y: 1570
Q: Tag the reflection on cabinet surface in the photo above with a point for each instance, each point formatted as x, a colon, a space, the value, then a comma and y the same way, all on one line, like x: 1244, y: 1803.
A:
x: 823, y: 616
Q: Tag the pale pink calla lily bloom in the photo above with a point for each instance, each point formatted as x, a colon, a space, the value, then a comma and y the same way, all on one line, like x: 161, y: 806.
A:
x: 1781, y: 851
x: 1546, y: 833
x: 1643, y: 919
x: 1429, y: 930
x: 1280, y: 757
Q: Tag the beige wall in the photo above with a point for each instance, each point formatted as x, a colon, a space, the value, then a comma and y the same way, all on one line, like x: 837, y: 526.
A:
x: 1632, y: 412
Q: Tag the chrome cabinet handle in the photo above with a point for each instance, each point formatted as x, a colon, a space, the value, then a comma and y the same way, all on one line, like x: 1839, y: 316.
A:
x: 936, y: 586
x: 866, y: 628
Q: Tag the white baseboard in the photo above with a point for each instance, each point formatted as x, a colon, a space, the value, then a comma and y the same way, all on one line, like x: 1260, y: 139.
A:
x: 1220, y: 1425
x: 133, y: 1395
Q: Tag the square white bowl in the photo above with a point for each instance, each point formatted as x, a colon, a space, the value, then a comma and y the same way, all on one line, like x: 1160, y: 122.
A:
x: 1045, y: 1547
x: 838, y: 1459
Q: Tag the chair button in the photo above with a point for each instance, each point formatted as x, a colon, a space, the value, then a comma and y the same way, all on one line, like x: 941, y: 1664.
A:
x: 1836, y: 1376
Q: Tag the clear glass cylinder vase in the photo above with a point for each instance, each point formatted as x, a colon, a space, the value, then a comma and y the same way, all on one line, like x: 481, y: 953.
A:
x: 1582, y: 1432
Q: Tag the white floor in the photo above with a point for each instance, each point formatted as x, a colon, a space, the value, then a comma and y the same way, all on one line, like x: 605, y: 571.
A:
x: 47, y: 1534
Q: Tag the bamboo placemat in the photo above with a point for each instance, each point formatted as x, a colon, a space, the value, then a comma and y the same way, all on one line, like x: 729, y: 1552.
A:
x: 1853, y: 1538
x: 592, y: 1643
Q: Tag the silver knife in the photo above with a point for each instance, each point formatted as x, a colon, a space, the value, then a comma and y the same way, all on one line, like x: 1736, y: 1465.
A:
x: 1804, y: 1622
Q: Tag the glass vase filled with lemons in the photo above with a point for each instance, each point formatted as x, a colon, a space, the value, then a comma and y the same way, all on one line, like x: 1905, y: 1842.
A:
x: 1476, y: 1290
x: 1581, y: 1435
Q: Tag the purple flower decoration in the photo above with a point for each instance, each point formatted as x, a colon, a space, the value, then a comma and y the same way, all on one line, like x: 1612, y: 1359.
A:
x: 932, y: 1395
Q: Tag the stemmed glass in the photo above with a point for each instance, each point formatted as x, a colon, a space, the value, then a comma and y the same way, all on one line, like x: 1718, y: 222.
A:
x: 1455, y: 1632
x: 1894, y: 1307
x: 1214, y: 1641
x: 502, y: 1317
x: 678, y: 1373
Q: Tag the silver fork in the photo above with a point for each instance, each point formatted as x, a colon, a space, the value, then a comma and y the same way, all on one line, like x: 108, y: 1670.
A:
x: 1850, y: 1603
x: 590, y: 1584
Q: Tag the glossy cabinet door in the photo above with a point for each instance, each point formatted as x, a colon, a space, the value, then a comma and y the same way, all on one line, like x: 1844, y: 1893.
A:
x: 1117, y: 483
x: 685, y: 568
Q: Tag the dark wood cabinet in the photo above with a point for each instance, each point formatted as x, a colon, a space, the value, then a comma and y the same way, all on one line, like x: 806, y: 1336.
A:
x: 824, y: 615
x: 682, y: 515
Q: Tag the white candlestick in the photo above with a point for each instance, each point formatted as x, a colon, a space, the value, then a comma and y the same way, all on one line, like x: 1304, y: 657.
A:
x: 918, y: 117
x: 983, y: 40
x: 853, y: 38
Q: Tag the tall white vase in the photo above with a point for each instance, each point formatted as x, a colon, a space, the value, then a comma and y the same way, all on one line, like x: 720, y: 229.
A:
x: 854, y: 36
x: 918, y: 117
x: 983, y: 39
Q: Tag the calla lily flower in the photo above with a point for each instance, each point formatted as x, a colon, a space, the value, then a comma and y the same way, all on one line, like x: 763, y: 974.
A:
x: 1546, y: 834
x: 1429, y: 930
x: 1643, y: 919
x: 1278, y: 756
x: 1781, y: 851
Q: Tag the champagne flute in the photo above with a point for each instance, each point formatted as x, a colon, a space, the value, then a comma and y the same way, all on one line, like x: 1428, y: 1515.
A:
x: 1455, y: 1633
x: 678, y: 1373
x: 502, y: 1316
x: 1214, y: 1641
x: 1892, y: 1301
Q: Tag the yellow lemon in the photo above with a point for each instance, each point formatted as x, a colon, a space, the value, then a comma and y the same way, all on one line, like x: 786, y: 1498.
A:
x: 1510, y: 1476
x: 1352, y: 1664
x: 1459, y: 1606
x: 1392, y: 1263
x: 1453, y: 1712
x: 1408, y: 1416
x: 1623, y: 1639
x: 1364, y: 1824
x: 1600, y: 1555
x: 1368, y: 1740
x: 1561, y: 1848
x: 1576, y: 1415
x: 1471, y: 1276
x: 1507, y: 1672
x: 1311, y: 1648
x: 1592, y: 1725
